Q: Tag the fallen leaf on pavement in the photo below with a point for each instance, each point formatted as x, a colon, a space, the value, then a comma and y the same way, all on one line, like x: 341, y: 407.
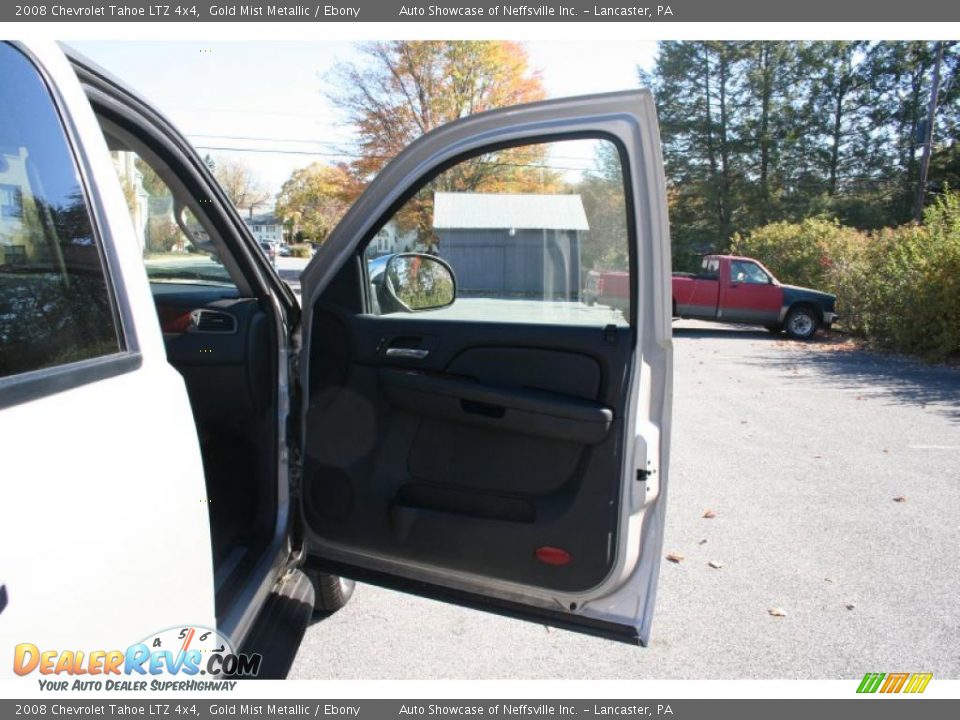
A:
x: 715, y: 564
x: 849, y: 606
x: 777, y: 612
x: 887, y: 450
x: 900, y: 499
x: 702, y: 542
x: 709, y: 514
x: 675, y: 557
x: 827, y: 580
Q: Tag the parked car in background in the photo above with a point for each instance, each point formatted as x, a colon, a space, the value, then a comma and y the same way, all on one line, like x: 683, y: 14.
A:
x: 728, y: 289
x: 735, y: 289
x: 283, y: 250
x: 270, y: 250
x: 608, y: 287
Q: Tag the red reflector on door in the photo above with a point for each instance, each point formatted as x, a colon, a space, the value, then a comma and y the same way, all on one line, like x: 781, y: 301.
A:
x: 552, y: 555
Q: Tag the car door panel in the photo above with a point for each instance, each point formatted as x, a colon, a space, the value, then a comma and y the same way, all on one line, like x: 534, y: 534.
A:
x: 703, y: 299
x: 510, y: 462
x: 751, y: 302
x: 468, y: 438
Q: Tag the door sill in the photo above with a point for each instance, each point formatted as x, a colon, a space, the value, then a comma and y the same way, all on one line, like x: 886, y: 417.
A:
x: 542, y: 616
x: 280, y: 626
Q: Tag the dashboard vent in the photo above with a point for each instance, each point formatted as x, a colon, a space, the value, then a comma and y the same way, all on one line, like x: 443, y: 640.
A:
x: 213, y: 321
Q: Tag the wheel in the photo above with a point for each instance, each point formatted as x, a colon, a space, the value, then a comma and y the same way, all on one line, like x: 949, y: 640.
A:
x: 331, y: 592
x: 801, y: 323
x: 775, y: 329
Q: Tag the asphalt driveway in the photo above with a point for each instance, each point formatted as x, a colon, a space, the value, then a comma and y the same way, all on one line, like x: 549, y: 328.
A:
x: 834, y: 480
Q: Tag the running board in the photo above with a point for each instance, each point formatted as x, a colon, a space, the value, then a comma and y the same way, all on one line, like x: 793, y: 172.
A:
x: 279, y: 628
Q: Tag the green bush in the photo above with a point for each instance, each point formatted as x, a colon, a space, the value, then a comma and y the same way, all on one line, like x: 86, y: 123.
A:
x: 800, y: 253
x: 301, y: 251
x: 915, y: 294
x: 899, y: 287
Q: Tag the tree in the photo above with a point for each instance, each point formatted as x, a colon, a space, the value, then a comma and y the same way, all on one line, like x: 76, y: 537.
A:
x: 758, y: 132
x: 696, y: 86
x: 604, y: 203
x: 314, y: 199
x: 240, y: 184
x: 404, y: 89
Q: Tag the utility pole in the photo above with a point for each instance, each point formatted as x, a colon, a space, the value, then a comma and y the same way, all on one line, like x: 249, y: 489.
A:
x: 928, y: 136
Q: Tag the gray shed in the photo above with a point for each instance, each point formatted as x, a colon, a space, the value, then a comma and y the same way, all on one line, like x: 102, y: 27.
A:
x: 521, y: 245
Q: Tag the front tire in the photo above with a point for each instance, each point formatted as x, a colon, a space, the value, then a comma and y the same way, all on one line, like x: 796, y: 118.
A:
x: 331, y: 592
x: 801, y: 323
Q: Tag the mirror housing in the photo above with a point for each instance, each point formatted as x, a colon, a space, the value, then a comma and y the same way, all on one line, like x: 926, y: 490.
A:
x: 417, y: 281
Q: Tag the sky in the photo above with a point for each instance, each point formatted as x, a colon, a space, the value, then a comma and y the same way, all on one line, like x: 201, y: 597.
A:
x: 269, y: 97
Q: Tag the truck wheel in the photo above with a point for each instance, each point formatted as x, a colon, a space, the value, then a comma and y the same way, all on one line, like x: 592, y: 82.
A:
x: 801, y: 323
x: 331, y: 592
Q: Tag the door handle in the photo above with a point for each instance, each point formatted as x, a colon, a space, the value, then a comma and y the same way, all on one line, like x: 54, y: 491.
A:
x: 407, y: 353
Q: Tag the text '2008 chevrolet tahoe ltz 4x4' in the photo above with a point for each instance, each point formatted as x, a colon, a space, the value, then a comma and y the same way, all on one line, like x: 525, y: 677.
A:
x: 187, y: 445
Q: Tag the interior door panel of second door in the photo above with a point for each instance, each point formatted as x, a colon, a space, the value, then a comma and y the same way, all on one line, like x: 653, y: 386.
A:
x: 447, y: 475
x: 496, y: 448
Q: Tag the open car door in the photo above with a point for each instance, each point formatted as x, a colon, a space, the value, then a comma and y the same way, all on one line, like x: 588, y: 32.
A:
x: 507, y: 451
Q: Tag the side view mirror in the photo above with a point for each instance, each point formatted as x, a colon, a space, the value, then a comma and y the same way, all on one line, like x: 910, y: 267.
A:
x: 417, y: 281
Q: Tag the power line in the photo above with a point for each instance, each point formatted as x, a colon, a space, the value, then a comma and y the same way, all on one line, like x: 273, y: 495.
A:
x: 246, y: 111
x: 276, y: 151
x: 263, y: 139
x: 345, y: 153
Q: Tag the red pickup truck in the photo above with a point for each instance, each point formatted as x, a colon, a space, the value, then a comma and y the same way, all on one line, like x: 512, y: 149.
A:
x: 730, y: 289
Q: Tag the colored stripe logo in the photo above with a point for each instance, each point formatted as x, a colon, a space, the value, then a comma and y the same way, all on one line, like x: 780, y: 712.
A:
x: 894, y: 682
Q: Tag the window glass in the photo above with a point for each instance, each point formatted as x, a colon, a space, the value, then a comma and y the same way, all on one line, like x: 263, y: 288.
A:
x: 175, y: 246
x: 55, y: 307
x: 710, y: 269
x: 748, y: 272
x: 534, y: 234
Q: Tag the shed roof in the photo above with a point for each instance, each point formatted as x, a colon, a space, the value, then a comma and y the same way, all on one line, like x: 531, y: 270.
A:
x: 473, y: 211
x: 262, y: 219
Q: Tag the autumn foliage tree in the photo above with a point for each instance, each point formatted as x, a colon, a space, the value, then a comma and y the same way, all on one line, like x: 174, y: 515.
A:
x: 240, y: 183
x: 404, y: 89
x: 314, y: 199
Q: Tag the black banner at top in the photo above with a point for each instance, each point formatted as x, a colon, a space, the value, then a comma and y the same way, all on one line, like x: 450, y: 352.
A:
x: 738, y: 11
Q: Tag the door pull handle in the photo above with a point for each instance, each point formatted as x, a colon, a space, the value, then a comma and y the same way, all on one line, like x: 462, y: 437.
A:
x: 407, y: 353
